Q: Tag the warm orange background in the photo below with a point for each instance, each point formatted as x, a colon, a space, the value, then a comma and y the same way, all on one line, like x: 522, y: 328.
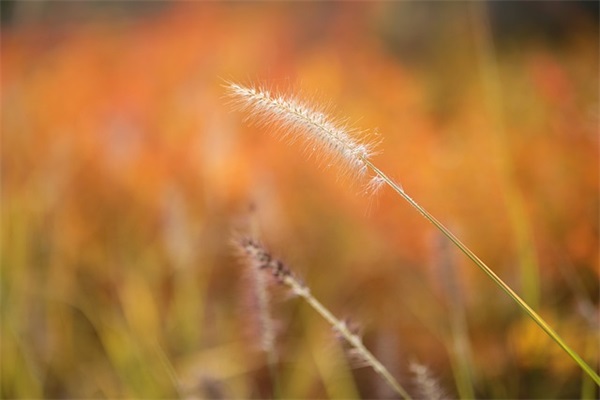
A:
x: 124, y: 174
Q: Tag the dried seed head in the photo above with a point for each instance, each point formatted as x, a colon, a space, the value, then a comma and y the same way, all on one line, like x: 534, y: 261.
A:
x: 295, y: 120
x: 262, y: 259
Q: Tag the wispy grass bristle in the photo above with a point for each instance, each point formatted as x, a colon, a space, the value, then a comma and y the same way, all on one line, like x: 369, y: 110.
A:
x: 295, y: 120
x: 375, y: 184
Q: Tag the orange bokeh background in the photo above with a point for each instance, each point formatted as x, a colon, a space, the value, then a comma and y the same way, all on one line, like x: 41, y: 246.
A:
x: 125, y: 172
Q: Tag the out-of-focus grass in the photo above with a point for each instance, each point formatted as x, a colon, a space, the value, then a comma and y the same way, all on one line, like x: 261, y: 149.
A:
x: 123, y: 173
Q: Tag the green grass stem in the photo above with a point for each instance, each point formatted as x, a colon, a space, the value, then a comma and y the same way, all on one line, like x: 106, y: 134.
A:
x: 491, y: 274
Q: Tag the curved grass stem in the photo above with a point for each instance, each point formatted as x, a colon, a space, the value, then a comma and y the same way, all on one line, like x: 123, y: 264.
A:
x: 491, y: 274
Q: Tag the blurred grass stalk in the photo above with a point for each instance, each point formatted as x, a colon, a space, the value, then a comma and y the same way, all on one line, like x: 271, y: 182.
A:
x: 527, y: 260
x: 459, y: 347
x: 266, y: 322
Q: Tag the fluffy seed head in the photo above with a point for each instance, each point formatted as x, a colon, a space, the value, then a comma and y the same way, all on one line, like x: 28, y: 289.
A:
x: 295, y: 120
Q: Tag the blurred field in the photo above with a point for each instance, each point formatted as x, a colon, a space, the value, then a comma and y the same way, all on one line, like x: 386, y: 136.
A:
x: 124, y: 173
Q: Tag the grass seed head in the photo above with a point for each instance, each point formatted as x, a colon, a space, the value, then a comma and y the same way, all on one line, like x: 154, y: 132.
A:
x: 295, y: 120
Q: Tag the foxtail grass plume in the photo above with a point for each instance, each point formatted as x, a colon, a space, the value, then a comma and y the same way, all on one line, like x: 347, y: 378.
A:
x: 296, y: 120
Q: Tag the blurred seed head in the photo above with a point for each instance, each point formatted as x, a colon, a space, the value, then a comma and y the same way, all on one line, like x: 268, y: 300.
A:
x: 427, y: 387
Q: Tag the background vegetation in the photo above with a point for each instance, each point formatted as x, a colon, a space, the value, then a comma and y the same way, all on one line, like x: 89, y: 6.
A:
x: 124, y: 173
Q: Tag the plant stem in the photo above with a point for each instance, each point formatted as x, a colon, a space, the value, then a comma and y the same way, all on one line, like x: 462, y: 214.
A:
x: 343, y: 330
x: 491, y: 274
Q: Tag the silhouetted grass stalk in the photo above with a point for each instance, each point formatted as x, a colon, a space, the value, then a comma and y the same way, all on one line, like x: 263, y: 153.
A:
x: 299, y: 121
